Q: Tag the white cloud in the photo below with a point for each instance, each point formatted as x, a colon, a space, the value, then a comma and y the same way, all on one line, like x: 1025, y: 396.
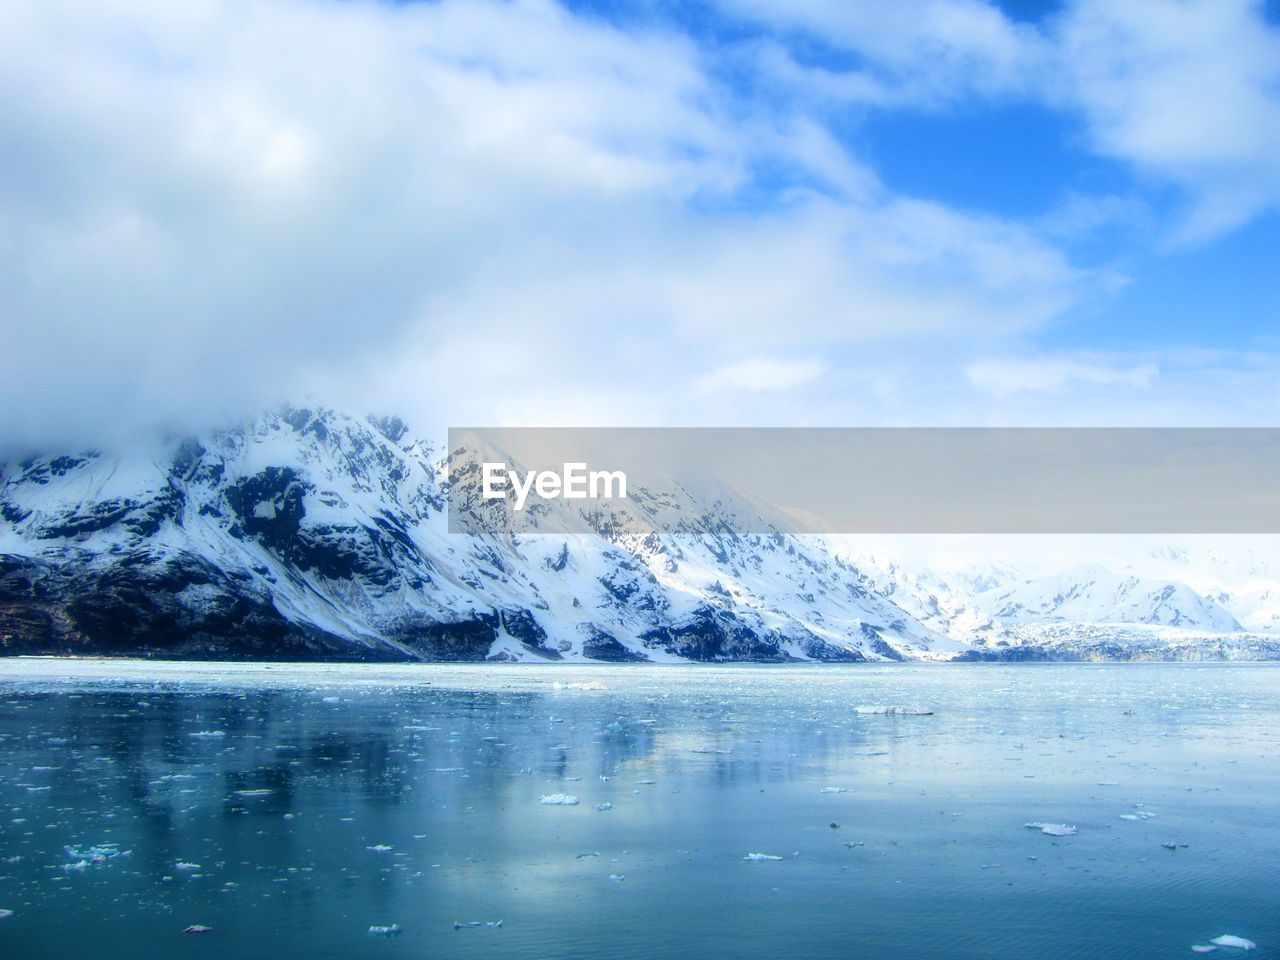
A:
x: 1187, y: 92
x: 759, y: 374
x: 923, y: 52
x: 461, y: 209
x: 1006, y: 377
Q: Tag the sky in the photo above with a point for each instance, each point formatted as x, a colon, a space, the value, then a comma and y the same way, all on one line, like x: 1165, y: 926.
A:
x: 730, y: 212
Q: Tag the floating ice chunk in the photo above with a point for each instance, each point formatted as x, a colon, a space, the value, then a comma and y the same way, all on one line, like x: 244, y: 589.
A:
x: 183, y: 865
x: 760, y: 857
x: 885, y: 710
x: 559, y: 799
x: 834, y: 790
x: 606, y: 805
x: 616, y: 877
x: 100, y: 853
x: 1137, y: 815
x: 1169, y: 846
x: 5, y: 914
x: 379, y: 848
x: 197, y: 928
x: 1236, y: 943
x: 209, y: 733
x: 460, y: 924
x: 1055, y: 829
x: 578, y: 685
x: 253, y: 793
x: 1203, y: 948
x: 389, y: 931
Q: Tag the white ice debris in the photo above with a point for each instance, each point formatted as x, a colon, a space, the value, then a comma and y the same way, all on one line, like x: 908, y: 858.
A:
x: 197, y: 928
x: 603, y: 806
x: 379, y: 848
x: 460, y: 924
x: 1138, y: 814
x: 183, y: 865
x: 99, y: 853
x: 616, y: 877
x: 558, y: 799
x: 253, y: 793
x: 1236, y: 943
x: 5, y: 914
x: 760, y: 857
x: 389, y: 931
x: 1055, y: 829
x: 834, y: 790
x: 883, y: 710
x: 1203, y: 948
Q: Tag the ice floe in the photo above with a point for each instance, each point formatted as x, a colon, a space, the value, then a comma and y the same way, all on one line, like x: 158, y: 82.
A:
x: 1055, y: 829
x: 559, y: 800
x: 879, y: 709
x: 1234, y: 942
x: 760, y: 857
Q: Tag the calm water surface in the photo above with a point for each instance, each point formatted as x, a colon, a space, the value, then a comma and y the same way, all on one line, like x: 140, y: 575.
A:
x: 291, y: 808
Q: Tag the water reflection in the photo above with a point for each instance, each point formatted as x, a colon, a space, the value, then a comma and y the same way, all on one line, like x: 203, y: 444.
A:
x: 291, y: 815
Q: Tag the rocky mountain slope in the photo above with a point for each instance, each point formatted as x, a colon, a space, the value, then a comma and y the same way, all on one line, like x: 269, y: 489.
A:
x: 310, y: 534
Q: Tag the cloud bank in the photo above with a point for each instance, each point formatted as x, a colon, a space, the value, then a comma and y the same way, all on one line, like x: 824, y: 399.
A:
x: 513, y: 212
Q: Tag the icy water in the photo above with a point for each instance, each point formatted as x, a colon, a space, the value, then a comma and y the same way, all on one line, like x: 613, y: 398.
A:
x: 291, y: 808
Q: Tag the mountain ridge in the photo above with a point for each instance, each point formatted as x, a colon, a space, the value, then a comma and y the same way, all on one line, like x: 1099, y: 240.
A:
x: 312, y: 534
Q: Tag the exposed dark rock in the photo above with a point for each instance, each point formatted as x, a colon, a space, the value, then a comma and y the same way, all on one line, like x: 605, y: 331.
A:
x: 711, y: 635
x: 602, y: 645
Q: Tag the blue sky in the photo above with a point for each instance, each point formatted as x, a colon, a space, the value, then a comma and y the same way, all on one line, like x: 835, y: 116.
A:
x: 724, y: 212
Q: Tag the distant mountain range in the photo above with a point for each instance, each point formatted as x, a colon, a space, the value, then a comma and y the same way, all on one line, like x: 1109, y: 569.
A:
x: 312, y: 534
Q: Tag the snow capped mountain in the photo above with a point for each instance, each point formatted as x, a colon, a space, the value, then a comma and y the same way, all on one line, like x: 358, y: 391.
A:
x: 310, y: 534
x: 1091, y: 594
x: 314, y: 534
